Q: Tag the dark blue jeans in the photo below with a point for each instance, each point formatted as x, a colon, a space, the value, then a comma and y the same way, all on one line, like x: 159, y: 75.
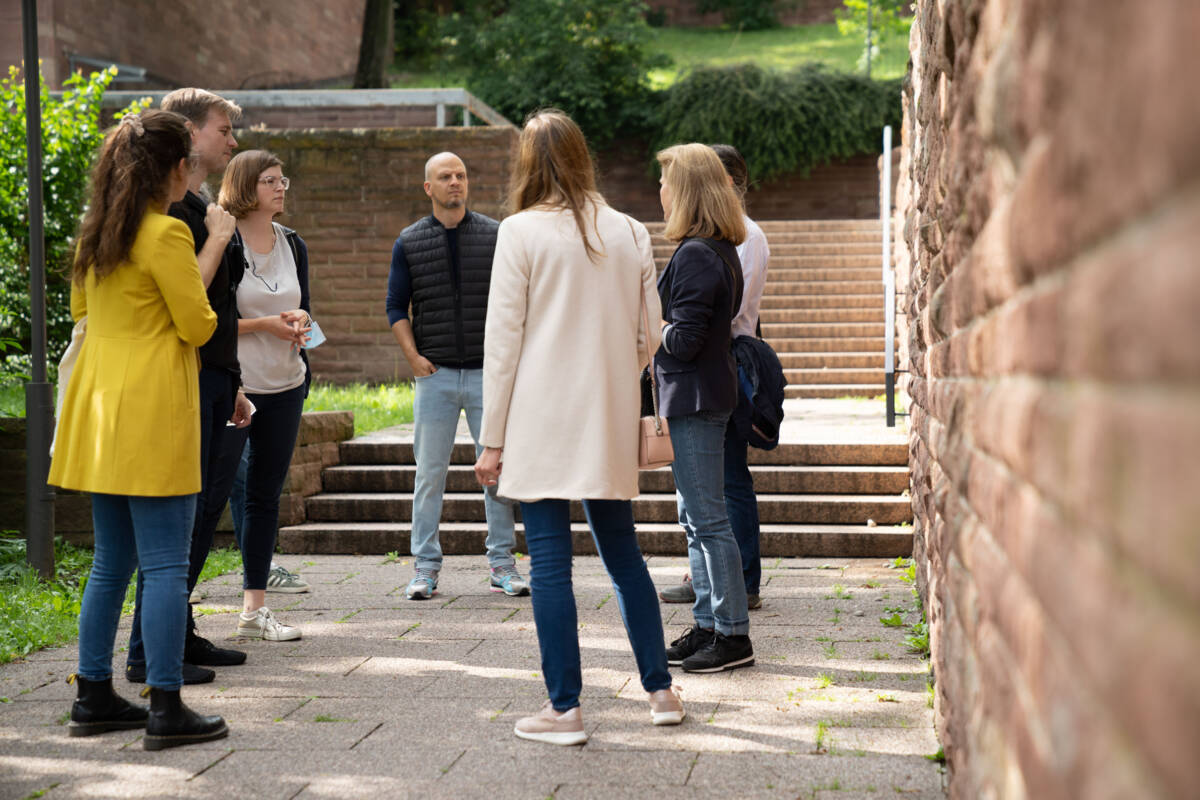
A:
x: 217, y: 390
x: 272, y: 437
x: 741, y: 504
x: 548, y: 537
x: 152, y: 534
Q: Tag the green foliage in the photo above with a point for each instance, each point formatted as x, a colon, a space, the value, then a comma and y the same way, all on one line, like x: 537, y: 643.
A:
x: 886, y: 22
x: 70, y: 137
x: 781, y: 121
x: 893, y: 621
x: 918, y: 639
x: 747, y: 15
x: 374, y: 407
x: 588, y: 58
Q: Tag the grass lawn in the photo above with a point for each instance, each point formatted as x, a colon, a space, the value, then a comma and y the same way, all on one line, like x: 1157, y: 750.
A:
x: 374, y: 407
x: 779, y: 48
x: 36, y: 613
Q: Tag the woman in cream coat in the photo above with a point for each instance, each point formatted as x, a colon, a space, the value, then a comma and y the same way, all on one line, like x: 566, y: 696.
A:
x: 563, y: 348
x: 130, y: 427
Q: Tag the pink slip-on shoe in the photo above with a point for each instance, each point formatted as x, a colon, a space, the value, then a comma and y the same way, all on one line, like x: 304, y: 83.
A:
x: 553, y: 727
x: 665, y: 707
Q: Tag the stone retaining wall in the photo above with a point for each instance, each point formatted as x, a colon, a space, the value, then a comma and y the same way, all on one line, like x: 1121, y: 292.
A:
x: 316, y: 448
x: 1050, y: 198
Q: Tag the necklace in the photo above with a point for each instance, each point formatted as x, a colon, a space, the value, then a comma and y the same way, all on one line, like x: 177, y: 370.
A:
x: 254, y: 266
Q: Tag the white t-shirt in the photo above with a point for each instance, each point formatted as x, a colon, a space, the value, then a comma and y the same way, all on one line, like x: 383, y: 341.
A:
x: 754, y: 254
x: 269, y: 286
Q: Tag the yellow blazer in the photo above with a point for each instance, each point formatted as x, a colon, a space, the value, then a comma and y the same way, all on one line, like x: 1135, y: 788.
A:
x: 131, y: 416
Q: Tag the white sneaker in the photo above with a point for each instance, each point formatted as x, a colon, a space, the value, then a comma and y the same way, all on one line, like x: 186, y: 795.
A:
x: 261, y: 624
x: 665, y: 707
x: 553, y: 727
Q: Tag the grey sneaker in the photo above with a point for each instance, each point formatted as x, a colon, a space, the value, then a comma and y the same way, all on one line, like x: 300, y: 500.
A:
x: 508, y: 580
x: 683, y: 593
x: 280, y: 580
x: 754, y: 601
x: 261, y: 624
x: 423, y: 585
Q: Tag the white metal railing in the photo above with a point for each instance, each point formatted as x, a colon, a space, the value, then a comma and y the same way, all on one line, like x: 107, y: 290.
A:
x: 341, y: 98
x: 889, y: 279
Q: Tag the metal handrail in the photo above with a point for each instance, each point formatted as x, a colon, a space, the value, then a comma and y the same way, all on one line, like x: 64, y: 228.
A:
x: 346, y: 98
x: 889, y: 280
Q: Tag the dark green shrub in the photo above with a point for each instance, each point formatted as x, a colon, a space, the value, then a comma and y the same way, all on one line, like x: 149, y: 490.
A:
x: 587, y: 58
x: 747, y: 15
x: 781, y: 121
x: 70, y: 137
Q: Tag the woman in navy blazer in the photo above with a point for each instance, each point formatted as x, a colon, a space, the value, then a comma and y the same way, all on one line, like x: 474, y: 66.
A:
x: 701, y: 291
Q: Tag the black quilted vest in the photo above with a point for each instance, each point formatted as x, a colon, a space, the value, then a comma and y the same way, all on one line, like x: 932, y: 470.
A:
x: 449, y: 301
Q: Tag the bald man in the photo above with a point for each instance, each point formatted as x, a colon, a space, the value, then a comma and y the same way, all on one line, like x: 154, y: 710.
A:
x: 442, y: 264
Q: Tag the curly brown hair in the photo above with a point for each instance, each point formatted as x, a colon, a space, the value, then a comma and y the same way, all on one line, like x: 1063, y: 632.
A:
x: 133, y: 171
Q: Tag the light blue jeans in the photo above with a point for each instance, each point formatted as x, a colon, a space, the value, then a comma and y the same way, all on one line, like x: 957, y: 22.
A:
x: 153, y: 534
x: 437, y: 401
x: 716, y: 565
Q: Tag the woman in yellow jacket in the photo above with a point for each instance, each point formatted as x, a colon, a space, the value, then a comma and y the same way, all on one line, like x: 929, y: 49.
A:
x: 130, y: 427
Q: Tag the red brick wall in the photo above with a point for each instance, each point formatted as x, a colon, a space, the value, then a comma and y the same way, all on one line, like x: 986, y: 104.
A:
x: 683, y: 13
x: 220, y: 43
x: 841, y: 190
x: 352, y: 193
x: 1051, y: 209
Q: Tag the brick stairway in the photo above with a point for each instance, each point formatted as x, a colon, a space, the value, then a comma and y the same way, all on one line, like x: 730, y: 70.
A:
x: 822, y: 307
x: 825, y: 491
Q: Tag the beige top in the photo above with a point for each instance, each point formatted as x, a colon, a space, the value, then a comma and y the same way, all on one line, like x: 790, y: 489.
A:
x: 562, y: 355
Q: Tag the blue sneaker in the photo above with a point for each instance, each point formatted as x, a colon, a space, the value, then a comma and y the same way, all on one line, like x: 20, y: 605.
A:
x: 508, y: 580
x: 423, y: 585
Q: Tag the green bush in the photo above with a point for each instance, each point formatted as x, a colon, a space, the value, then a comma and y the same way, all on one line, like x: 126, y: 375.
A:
x: 588, y: 58
x: 70, y: 137
x: 746, y: 15
x: 780, y: 121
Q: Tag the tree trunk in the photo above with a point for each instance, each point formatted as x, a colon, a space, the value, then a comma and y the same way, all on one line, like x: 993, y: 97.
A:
x: 375, y: 51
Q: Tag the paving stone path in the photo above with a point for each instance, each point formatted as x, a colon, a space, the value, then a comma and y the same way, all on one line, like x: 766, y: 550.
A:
x: 386, y: 697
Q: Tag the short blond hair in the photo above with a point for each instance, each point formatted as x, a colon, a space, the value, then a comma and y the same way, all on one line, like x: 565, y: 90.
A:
x: 195, y: 104
x: 239, y: 185
x: 703, y: 204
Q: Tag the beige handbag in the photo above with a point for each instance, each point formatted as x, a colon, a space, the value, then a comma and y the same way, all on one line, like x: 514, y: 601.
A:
x: 65, y: 367
x: 654, y: 438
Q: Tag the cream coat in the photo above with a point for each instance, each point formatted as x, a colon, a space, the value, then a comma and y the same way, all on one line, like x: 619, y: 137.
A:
x: 563, y: 350
x: 131, y: 417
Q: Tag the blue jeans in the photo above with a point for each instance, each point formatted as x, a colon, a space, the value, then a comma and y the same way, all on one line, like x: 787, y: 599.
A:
x: 438, y: 398
x: 154, y: 535
x: 548, y: 536
x: 269, y: 441
x: 217, y: 390
x: 237, y: 496
x: 741, y: 504
x: 716, y: 565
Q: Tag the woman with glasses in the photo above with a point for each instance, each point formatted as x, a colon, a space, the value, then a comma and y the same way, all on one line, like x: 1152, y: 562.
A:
x: 273, y: 303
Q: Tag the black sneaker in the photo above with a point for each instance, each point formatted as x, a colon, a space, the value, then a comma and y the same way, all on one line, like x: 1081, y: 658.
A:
x: 198, y: 650
x: 136, y: 673
x: 693, y: 640
x: 721, y: 653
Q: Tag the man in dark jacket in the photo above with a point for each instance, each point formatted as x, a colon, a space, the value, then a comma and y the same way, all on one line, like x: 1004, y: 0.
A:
x: 442, y: 265
x: 210, y: 120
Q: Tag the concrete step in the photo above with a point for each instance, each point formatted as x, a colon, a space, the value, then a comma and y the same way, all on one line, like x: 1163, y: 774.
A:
x: 366, y: 451
x: 804, y: 262
x: 773, y: 227
x: 834, y: 390
x: 801, y: 301
x: 820, y: 345
x: 791, y: 509
x: 832, y: 361
x: 810, y: 377
x: 467, y: 538
x: 822, y: 288
x: 664, y: 248
x: 771, y: 316
x: 768, y: 479
x: 773, y: 330
x: 778, y: 274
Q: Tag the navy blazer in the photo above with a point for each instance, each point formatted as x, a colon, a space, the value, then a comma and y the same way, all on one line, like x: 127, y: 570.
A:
x: 700, y: 295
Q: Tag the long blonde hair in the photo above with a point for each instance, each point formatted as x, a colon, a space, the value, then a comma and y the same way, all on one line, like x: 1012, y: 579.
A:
x: 702, y: 201
x: 554, y: 168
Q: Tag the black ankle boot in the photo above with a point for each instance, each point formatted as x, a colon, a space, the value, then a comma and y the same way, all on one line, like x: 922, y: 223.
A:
x: 172, y: 724
x: 98, y: 709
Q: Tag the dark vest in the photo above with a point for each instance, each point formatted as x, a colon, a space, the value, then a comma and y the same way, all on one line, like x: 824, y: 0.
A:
x: 449, y: 301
